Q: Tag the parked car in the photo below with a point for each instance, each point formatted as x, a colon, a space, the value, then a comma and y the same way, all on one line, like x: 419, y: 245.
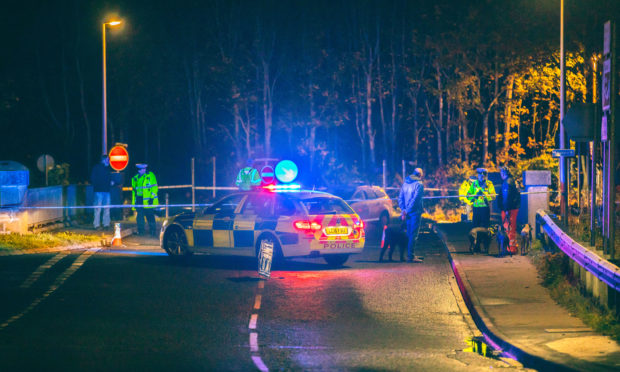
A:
x: 372, y: 204
x: 300, y: 224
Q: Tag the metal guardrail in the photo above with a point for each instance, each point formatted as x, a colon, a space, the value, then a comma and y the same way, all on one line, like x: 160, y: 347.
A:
x: 604, y: 270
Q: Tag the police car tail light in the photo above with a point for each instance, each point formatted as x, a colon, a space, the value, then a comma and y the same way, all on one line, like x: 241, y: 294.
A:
x: 307, y: 226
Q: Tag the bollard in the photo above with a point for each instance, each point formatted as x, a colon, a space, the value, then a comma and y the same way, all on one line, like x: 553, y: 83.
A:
x: 117, y: 239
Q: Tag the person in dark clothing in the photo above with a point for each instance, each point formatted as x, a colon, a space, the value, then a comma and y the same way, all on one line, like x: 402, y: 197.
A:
x: 411, y: 205
x: 509, y: 201
x: 101, y: 180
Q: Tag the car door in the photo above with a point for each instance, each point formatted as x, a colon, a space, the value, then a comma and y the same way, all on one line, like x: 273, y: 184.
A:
x: 253, y: 216
x: 212, y: 229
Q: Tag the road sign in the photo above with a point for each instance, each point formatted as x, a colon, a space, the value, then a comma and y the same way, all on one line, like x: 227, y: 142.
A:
x: 119, y: 158
x: 45, y: 163
x: 265, y: 257
x: 563, y: 153
x: 286, y: 171
x: 606, y: 85
x: 267, y: 174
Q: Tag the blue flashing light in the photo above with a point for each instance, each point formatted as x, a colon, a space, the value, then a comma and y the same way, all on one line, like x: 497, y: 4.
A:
x: 286, y: 171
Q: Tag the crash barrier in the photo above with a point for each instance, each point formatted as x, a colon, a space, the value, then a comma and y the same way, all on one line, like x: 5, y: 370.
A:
x: 600, y: 277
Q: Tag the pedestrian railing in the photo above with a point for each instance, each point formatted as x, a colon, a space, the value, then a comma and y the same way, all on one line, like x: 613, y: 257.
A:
x: 598, y: 266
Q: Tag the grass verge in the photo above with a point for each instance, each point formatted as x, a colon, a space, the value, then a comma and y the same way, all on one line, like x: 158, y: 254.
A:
x: 43, y: 240
x: 566, y: 290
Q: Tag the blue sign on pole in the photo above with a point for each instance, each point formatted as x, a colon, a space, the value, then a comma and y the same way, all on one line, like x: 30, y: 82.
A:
x: 286, y: 171
x: 563, y: 153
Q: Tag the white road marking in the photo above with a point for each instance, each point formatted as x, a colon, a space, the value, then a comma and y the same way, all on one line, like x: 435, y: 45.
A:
x: 257, y: 302
x: 41, y: 269
x: 253, y: 320
x: 258, y: 362
x: 254, y: 342
x: 79, y: 261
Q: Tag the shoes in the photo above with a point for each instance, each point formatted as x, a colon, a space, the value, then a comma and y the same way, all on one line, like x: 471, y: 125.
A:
x: 415, y: 260
x: 99, y: 228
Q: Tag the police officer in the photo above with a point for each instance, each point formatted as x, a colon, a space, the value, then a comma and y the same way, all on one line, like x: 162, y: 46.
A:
x: 466, y: 204
x: 144, y: 192
x: 248, y: 177
x: 481, y: 193
x: 410, y: 203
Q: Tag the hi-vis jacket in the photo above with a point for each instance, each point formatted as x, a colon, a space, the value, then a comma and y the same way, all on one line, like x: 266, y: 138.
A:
x: 463, y: 192
x: 247, y: 178
x: 481, y: 195
x: 144, y: 186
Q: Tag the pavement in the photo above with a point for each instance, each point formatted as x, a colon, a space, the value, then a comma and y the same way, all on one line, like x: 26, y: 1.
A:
x: 517, y: 315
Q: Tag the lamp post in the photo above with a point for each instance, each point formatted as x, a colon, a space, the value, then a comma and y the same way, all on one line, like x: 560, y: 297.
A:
x: 563, y: 144
x: 104, y: 115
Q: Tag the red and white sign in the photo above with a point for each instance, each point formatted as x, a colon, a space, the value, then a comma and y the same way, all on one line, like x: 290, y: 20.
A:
x: 267, y: 175
x: 119, y: 158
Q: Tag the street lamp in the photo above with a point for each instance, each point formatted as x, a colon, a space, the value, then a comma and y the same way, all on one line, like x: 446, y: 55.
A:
x: 104, y: 115
x: 563, y: 144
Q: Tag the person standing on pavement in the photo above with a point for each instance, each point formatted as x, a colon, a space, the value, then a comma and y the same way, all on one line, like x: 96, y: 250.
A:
x: 481, y: 193
x: 411, y: 206
x: 248, y: 177
x: 144, y: 195
x: 509, y: 201
x: 466, y: 204
x: 101, y: 179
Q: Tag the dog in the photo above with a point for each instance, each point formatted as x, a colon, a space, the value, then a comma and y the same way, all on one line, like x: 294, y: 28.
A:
x: 394, y: 236
x: 479, y: 237
x: 502, y: 242
x: 526, y: 239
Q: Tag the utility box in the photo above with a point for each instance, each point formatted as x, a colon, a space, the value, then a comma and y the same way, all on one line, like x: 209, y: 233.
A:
x: 14, y: 181
x: 536, y: 184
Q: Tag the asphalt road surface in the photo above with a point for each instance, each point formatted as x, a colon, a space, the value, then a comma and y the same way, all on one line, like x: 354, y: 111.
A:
x: 133, y: 310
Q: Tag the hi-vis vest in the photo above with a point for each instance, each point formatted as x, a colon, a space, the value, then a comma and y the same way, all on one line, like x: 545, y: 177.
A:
x: 488, y: 193
x: 145, y: 186
x: 247, y: 178
x: 463, y: 192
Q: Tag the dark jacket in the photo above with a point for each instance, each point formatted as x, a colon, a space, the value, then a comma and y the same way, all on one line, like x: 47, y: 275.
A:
x: 410, y: 197
x: 509, y: 197
x: 100, y: 178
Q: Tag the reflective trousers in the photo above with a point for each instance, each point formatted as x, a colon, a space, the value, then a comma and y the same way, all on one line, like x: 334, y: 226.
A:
x: 509, y: 220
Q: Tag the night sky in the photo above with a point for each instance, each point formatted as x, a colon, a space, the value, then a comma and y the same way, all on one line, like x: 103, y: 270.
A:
x: 181, y: 74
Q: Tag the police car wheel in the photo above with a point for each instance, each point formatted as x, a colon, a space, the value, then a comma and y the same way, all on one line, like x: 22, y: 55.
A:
x: 175, y: 244
x: 336, y: 259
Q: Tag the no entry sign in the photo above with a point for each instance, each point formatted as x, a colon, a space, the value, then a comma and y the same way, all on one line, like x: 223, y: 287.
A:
x: 119, y: 158
x: 267, y: 175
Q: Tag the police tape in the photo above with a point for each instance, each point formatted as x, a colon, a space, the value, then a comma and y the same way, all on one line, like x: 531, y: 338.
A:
x: 190, y: 205
x: 110, y: 206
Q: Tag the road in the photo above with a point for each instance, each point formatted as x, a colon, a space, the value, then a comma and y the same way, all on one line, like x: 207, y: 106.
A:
x: 134, y: 309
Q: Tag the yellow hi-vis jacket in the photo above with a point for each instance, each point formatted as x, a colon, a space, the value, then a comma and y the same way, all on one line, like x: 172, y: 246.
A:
x: 481, y: 195
x: 463, y: 192
x: 247, y: 178
x: 145, y: 186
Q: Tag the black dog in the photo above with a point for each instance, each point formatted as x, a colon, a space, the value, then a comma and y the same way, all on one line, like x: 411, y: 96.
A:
x: 502, y: 241
x: 394, y: 236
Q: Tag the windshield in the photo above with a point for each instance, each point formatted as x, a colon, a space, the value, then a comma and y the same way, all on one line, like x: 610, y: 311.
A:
x: 326, y: 206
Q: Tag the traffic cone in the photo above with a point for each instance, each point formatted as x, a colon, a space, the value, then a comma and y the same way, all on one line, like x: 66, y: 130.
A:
x: 383, y: 237
x: 116, y: 240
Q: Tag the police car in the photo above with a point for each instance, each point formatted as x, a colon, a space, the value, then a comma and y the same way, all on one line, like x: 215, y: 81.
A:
x: 300, y: 224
